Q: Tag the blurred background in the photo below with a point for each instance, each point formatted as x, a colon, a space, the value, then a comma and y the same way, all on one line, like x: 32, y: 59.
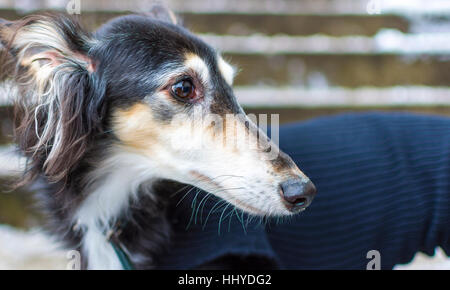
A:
x: 296, y: 58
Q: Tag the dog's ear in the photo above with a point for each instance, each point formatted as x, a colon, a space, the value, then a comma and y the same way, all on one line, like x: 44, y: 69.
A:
x: 162, y: 13
x: 42, y: 42
x: 58, y: 93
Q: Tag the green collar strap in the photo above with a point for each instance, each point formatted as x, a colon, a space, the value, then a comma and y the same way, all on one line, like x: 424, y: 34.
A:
x: 113, y: 238
x: 122, y: 256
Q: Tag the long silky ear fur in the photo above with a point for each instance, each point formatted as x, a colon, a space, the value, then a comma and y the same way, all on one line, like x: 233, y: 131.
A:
x: 58, y: 102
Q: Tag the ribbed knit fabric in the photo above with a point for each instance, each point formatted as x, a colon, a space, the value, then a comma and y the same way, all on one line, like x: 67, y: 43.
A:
x: 383, y: 184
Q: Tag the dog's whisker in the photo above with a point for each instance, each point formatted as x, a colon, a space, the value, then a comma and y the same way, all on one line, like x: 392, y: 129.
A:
x: 193, y: 209
x: 203, y: 206
x: 231, y: 217
x: 242, y: 221
x: 211, y: 210
x: 180, y: 190
x: 198, y: 208
x: 227, y: 175
x: 184, y: 196
x: 221, y: 216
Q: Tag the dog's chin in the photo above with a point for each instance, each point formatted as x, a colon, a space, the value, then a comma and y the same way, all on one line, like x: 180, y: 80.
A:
x: 275, y: 210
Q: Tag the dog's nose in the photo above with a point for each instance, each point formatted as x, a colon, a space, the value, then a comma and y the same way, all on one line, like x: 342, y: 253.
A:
x: 297, y: 193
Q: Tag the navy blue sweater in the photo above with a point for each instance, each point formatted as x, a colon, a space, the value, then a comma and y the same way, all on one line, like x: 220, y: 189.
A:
x: 383, y: 184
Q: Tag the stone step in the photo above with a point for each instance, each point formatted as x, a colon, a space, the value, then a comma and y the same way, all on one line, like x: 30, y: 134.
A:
x: 298, y: 34
x: 342, y: 97
x: 387, y: 41
x: 240, y: 24
x: 315, y: 70
x: 332, y: 17
x: 237, y: 24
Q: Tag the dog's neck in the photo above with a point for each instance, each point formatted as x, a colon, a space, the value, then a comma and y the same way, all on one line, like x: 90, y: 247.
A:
x: 111, y: 191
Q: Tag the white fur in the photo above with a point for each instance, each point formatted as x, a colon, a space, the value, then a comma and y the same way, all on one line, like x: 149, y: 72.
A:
x: 113, y: 185
x: 197, y: 64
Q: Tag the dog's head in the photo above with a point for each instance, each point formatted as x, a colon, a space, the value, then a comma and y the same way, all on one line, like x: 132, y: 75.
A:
x: 157, y: 95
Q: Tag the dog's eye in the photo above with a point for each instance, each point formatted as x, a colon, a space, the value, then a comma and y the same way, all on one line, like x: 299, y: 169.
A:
x: 184, y: 89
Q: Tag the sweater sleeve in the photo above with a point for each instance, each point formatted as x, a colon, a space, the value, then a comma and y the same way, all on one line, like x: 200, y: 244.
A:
x: 383, y: 184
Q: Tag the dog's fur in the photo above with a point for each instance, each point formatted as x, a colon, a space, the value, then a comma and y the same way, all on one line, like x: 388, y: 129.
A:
x: 95, y: 116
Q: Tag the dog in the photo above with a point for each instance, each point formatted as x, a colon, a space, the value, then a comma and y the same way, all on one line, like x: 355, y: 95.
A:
x: 96, y: 116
